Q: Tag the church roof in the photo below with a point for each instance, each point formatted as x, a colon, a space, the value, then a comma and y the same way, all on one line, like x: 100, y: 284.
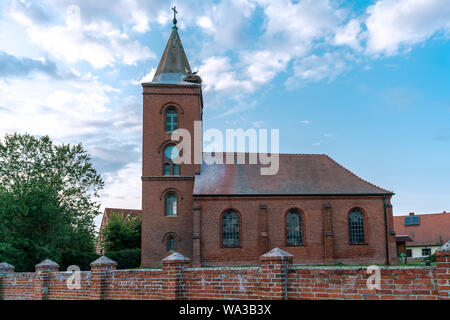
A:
x: 174, y: 65
x: 298, y: 174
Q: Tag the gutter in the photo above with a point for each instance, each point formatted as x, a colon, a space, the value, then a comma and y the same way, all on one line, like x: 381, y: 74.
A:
x: 386, y: 230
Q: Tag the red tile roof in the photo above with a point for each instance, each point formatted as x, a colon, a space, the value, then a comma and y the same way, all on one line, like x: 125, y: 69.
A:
x: 109, y: 211
x: 402, y: 238
x: 132, y: 212
x: 433, y: 229
x: 299, y: 174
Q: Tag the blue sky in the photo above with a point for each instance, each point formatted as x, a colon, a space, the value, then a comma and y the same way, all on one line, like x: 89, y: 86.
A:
x: 366, y: 82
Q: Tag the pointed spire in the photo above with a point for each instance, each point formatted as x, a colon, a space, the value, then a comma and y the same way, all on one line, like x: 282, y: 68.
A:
x: 173, y: 66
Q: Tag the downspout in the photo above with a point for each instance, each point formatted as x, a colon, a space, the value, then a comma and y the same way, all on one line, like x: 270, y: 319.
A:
x: 386, y: 230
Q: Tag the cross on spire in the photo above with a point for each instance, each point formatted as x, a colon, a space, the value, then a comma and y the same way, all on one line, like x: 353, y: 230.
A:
x: 174, y: 16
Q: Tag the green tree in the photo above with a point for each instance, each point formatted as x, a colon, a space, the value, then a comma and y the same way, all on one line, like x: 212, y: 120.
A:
x: 47, y: 202
x: 121, y: 233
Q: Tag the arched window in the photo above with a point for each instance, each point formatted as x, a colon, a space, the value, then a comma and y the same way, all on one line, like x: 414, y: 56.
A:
x: 230, y: 229
x: 171, y: 244
x: 167, y: 169
x: 356, y: 226
x: 171, y: 152
x: 171, y: 119
x: 294, y: 235
x: 171, y: 204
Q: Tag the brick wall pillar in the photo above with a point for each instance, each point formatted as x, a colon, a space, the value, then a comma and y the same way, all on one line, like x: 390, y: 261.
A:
x: 443, y: 271
x: 327, y: 228
x: 274, y: 274
x: 5, y: 268
x: 172, y: 267
x: 263, y: 232
x: 196, y: 227
x: 99, y: 276
x: 44, y: 271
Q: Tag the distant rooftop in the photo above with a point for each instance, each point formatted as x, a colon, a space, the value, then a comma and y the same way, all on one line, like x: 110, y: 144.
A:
x: 432, y: 228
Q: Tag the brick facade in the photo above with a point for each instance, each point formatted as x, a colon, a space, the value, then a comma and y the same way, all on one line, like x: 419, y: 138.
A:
x: 274, y: 278
x: 326, y: 192
x: 155, y: 225
x: 197, y: 227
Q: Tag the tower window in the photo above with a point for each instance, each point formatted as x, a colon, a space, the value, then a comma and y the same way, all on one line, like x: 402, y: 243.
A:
x: 171, y: 119
x: 294, y: 228
x: 171, y: 204
x: 230, y: 229
x: 171, y: 244
x: 356, y: 226
x: 167, y: 169
x: 170, y: 153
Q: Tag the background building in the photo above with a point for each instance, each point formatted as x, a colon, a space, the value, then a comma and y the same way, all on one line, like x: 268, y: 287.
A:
x: 428, y: 232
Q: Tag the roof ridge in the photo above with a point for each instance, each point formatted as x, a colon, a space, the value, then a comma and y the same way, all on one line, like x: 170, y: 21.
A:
x: 355, y: 175
x: 280, y: 154
x: 424, y: 214
x: 122, y: 209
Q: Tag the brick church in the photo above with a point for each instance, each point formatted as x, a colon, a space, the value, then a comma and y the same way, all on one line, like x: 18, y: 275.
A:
x: 230, y: 214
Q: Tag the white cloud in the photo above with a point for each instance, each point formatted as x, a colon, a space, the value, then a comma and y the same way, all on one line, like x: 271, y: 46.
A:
x: 40, y: 105
x: 349, y: 35
x: 396, y: 24
x: 122, y: 189
x: 146, y: 78
x: 262, y: 66
x: 205, y: 23
x: 98, y: 42
x: 229, y: 21
x: 217, y: 74
x: 317, y: 68
x: 296, y: 25
x: 149, y: 76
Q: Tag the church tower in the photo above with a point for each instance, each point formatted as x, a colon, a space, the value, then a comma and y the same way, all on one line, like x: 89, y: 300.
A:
x: 172, y: 100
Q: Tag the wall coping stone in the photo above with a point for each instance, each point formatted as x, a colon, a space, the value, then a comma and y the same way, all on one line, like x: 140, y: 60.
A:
x: 47, y: 263
x: 175, y: 257
x: 103, y: 261
x: 277, y: 253
x: 6, y: 266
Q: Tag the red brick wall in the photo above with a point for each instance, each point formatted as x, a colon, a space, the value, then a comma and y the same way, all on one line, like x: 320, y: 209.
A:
x: 134, y: 284
x: 17, y: 286
x: 351, y: 283
x: 274, y: 279
x: 220, y: 283
x: 58, y: 286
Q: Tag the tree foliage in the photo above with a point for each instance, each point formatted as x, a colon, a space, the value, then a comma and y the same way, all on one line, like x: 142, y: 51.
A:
x: 121, y: 233
x: 47, y: 201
